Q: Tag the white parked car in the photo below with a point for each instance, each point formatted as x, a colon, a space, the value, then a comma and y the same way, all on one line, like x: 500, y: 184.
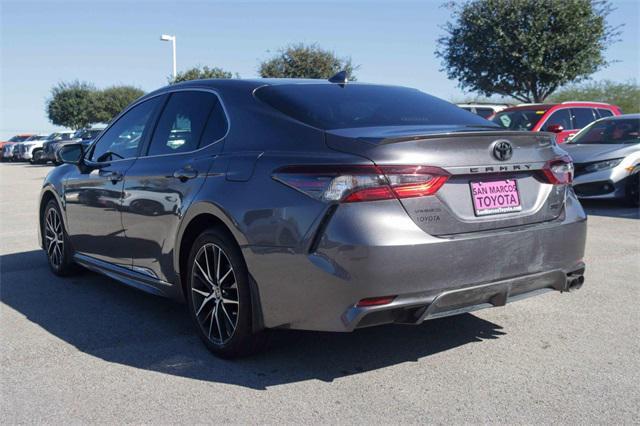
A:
x: 27, y: 149
x: 484, y: 110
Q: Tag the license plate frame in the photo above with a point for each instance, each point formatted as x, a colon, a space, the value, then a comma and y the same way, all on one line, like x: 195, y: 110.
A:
x: 506, y: 206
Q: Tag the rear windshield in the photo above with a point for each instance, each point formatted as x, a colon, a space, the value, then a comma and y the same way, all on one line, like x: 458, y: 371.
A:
x: 523, y: 119
x: 330, y: 106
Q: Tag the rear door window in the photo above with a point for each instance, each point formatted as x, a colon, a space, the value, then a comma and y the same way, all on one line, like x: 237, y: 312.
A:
x: 182, y: 122
x: 582, y: 117
x: 216, y: 127
x: 604, y: 113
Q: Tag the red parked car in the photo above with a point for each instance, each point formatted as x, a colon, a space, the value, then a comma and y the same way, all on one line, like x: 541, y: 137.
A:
x: 564, y: 119
x: 16, y: 139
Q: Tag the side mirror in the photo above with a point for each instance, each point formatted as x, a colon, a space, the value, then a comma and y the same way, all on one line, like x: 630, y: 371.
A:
x: 555, y: 128
x: 70, y: 153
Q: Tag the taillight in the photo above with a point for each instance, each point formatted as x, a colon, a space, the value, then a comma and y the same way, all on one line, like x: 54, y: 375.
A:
x: 559, y: 171
x: 362, y: 183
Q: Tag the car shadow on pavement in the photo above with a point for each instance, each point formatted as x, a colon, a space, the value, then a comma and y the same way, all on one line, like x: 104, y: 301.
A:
x: 118, y: 324
x: 611, y: 208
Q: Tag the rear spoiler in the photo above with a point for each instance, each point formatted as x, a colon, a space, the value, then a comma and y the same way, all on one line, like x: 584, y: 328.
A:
x: 462, y: 133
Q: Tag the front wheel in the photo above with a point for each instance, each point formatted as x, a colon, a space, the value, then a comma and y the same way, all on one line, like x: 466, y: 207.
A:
x: 56, y: 241
x: 218, y: 296
x: 36, y: 157
x: 632, y: 190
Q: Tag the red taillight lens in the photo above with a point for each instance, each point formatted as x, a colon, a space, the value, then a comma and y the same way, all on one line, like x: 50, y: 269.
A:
x: 369, y: 194
x: 375, y: 301
x: 415, y: 181
x: 559, y: 171
x: 363, y: 183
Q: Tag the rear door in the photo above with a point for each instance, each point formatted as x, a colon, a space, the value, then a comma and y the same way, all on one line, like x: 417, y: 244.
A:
x: 93, y: 194
x: 160, y: 186
x: 582, y: 117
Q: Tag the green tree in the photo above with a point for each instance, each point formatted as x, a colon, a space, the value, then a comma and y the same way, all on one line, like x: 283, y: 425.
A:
x: 306, y: 61
x: 78, y: 104
x: 72, y: 104
x: 111, y: 101
x: 198, y: 73
x: 625, y: 95
x: 525, y: 49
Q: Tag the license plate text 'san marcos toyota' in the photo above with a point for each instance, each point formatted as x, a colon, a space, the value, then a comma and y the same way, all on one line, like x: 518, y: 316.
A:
x: 495, y: 197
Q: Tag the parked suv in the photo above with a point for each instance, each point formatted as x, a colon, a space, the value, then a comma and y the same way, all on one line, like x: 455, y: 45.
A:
x: 27, y: 150
x: 52, y: 143
x: 565, y: 119
x: 307, y: 204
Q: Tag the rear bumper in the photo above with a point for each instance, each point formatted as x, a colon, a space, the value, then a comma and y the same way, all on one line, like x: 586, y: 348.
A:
x: 376, y: 250
x: 416, y: 308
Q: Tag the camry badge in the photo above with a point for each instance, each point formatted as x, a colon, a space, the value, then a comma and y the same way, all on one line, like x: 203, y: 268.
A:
x: 502, y: 150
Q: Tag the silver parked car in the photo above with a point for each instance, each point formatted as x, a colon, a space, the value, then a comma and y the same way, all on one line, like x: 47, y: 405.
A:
x: 317, y: 205
x: 607, y: 159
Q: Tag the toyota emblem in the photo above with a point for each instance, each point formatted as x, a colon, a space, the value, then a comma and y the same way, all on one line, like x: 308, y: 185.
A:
x: 502, y: 150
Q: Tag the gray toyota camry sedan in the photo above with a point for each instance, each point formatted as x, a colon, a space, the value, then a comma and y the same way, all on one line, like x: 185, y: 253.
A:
x: 316, y: 205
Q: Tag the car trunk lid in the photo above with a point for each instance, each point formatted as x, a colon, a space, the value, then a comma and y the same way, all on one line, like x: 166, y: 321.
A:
x: 468, y: 155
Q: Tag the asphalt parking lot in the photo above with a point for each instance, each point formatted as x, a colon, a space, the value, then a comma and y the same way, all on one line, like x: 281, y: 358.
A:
x: 87, y: 349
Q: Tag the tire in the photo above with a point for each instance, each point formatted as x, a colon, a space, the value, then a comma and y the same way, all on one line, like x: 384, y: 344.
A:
x: 56, y: 241
x: 218, y: 296
x: 632, y: 190
x: 36, y: 157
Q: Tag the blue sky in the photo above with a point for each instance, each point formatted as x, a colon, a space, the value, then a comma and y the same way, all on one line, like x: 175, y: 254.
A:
x: 113, y: 42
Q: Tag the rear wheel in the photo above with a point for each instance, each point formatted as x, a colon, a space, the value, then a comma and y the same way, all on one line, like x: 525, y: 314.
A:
x: 56, y: 241
x: 632, y: 190
x: 218, y: 296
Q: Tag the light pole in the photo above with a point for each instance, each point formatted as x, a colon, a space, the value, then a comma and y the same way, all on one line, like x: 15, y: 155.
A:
x: 172, y: 39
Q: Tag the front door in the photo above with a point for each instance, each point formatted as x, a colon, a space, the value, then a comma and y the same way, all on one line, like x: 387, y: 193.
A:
x: 93, y: 195
x: 161, y: 184
x: 562, y: 118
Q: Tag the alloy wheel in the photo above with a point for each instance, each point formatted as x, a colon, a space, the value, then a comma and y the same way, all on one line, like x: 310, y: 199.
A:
x: 54, y: 238
x: 215, y: 295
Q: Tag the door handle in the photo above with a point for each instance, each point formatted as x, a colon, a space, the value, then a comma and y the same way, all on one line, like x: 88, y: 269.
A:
x: 185, y: 174
x: 111, y: 175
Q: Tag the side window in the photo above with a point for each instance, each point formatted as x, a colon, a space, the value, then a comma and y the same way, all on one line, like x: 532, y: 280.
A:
x: 582, y: 117
x: 604, y: 113
x: 561, y: 117
x: 182, y: 122
x: 216, y: 126
x: 123, y: 138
